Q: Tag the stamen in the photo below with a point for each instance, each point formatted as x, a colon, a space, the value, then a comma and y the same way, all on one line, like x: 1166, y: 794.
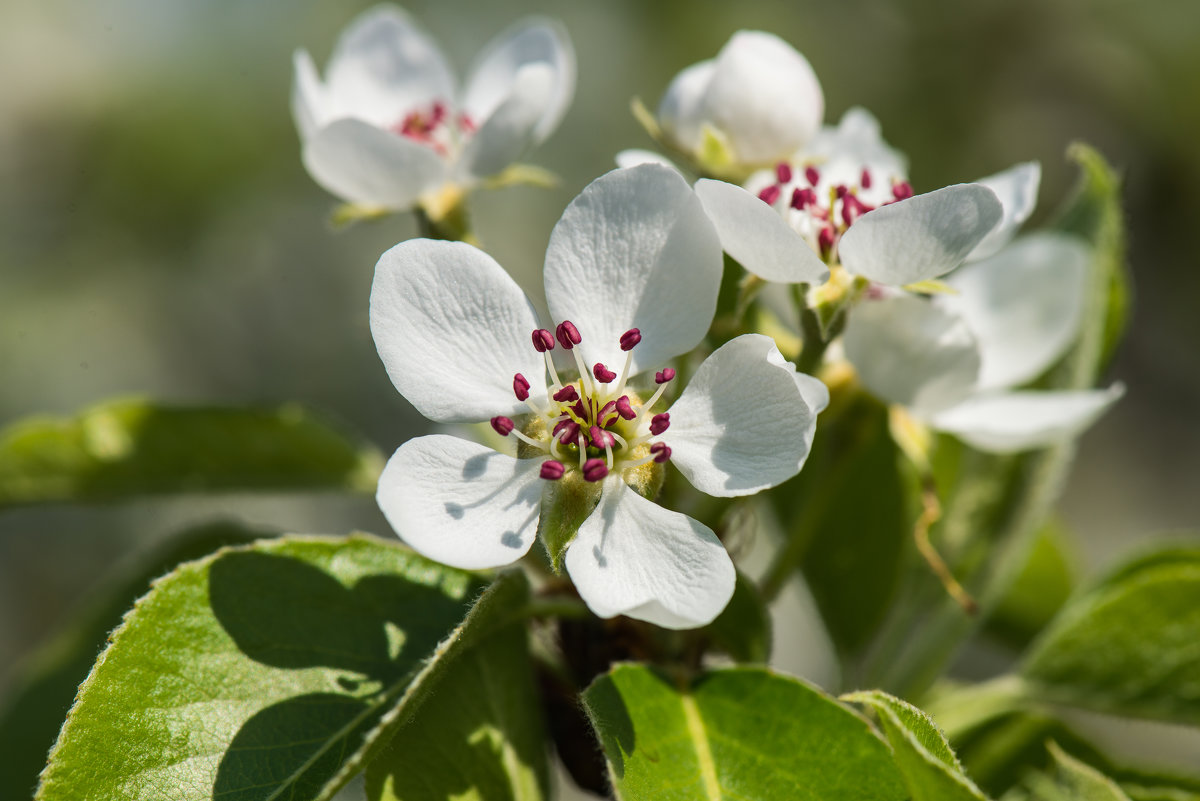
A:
x: 521, y: 387
x: 608, y: 412
x: 553, y: 373
x: 566, y: 394
x: 502, y: 425
x: 865, y: 179
x: 625, y: 370
x: 664, y: 375
x: 661, y: 451
x: 603, y: 374
x: 608, y: 457
x: 585, y: 379
x: 568, y: 334
x: 552, y: 470
x: 659, y: 423
x: 594, y: 469
x: 902, y: 190
x: 566, y: 431
x: 624, y: 407
x: 783, y: 172
x: 801, y: 198
x: 630, y: 339
x: 825, y: 240
x: 770, y: 195
x: 601, y: 438
x: 543, y: 340
x: 582, y: 452
x: 812, y: 176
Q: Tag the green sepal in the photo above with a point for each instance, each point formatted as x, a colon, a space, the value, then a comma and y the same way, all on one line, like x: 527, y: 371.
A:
x: 347, y: 214
x: 566, y: 503
x: 522, y: 175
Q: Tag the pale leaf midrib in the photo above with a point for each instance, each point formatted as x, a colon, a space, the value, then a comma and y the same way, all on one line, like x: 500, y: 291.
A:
x: 704, y: 757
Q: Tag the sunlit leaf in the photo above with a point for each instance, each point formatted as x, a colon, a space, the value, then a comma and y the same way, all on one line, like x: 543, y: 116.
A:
x: 744, y: 733
x: 931, y: 770
x: 269, y: 671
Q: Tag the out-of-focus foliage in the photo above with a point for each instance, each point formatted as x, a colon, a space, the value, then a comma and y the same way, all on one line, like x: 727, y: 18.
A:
x: 125, y: 449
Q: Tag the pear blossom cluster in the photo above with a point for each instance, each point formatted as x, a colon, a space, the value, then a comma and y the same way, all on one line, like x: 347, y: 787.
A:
x: 936, y: 303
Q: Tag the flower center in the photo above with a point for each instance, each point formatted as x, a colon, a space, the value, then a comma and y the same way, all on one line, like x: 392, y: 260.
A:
x: 594, y: 424
x: 435, y: 127
x: 822, y: 210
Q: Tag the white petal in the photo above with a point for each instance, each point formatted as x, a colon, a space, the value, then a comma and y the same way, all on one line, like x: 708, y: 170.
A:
x: 461, y: 503
x: 921, y: 237
x: 1015, y: 421
x: 452, y: 328
x: 764, y: 96
x: 1017, y: 189
x: 364, y: 164
x: 634, y: 157
x: 753, y: 233
x: 635, y: 250
x: 744, y: 423
x: 308, y: 95
x: 385, y: 66
x: 1025, y: 305
x: 531, y: 41
x: 680, y: 112
x: 510, y: 131
x: 632, y: 557
x: 910, y: 351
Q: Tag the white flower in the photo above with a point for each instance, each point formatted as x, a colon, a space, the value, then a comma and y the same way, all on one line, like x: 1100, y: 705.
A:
x: 845, y: 200
x: 758, y: 101
x: 953, y: 360
x: 388, y: 129
x: 631, y: 276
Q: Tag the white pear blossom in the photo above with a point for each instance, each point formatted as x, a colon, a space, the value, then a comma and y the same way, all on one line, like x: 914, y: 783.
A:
x: 631, y: 278
x: 845, y: 200
x: 388, y: 128
x: 758, y: 101
x: 953, y: 360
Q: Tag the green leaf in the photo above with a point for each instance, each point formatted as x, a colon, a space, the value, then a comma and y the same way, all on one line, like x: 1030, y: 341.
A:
x: 1039, y: 591
x: 930, y: 769
x: 1130, y: 646
x: 480, y: 733
x: 743, y: 629
x: 743, y: 733
x: 850, y: 522
x: 44, y: 687
x: 1076, y: 781
x: 1094, y: 212
x: 269, y: 671
x: 130, y: 448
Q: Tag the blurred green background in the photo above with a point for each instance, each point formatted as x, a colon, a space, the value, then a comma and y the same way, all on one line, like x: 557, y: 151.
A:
x: 158, y: 235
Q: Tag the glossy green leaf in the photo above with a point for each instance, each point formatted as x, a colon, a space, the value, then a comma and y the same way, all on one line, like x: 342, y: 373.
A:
x: 848, y: 522
x: 45, y: 685
x: 269, y: 671
x: 1130, y: 646
x: 743, y: 733
x: 743, y: 629
x: 479, y: 736
x: 130, y: 448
